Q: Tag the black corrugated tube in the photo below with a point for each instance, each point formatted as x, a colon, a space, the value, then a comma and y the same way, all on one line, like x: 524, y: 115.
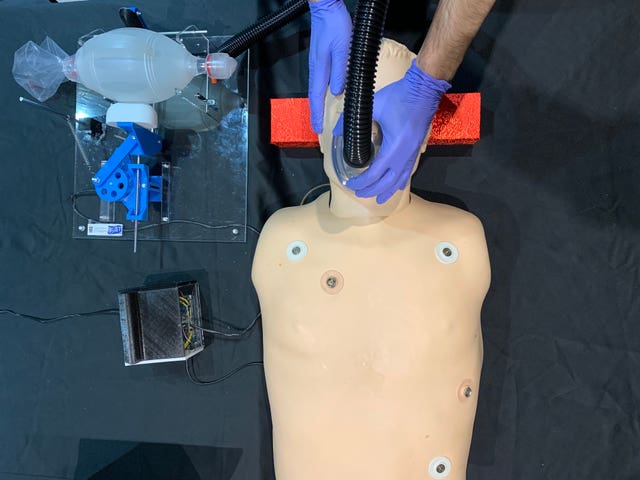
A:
x: 263, y: 27
x: 363, y: 59
x: 365, y: 45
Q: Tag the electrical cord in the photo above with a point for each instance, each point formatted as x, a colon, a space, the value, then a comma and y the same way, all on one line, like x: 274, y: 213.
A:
x: 186, y: 304
x: 188, y: 363
x: 114, y: 311
x: 47, y: 320
x: 194, y: 378
x: 88, y: 193
x: 235, y: 335
x: 239, y: 334
x: 308, y: 194
x: 199, y: 224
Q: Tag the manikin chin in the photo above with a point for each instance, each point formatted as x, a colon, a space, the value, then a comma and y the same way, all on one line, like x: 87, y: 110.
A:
x: 371, y: 323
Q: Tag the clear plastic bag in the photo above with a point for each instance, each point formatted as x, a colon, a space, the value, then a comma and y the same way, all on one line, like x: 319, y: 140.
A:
x: 38, y: 68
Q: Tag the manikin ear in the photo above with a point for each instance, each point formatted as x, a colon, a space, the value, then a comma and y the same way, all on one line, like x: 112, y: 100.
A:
x: 423, y: 148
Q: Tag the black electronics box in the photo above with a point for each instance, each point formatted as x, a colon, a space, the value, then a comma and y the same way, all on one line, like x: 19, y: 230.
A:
x: 161, y: 324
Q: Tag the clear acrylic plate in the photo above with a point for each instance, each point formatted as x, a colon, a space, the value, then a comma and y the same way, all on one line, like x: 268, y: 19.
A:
x: 203, y: 161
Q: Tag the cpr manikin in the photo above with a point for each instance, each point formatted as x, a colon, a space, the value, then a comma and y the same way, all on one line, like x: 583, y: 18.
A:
x: 371, y: 322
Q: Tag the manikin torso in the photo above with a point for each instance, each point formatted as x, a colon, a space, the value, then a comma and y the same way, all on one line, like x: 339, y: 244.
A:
x: 372, y: 339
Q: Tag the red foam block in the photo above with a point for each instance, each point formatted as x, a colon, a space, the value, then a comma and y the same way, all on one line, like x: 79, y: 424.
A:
x: 457, y: 121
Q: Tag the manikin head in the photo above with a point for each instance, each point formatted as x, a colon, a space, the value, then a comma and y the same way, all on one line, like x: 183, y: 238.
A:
x: 394, y: 60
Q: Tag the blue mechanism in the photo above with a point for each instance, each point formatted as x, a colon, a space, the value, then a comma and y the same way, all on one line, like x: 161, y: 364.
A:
x: 122, y: 180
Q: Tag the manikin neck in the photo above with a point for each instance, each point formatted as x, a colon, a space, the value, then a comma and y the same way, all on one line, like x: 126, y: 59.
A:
x: 364, y: 211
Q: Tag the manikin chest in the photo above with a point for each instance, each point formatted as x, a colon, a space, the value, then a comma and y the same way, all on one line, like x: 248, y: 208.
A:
x: 371, y: 338
x: 385, y: 306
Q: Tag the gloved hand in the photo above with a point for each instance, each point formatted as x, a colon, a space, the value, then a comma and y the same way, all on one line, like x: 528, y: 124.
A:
x: 328, y: 54
x: 404, y: 110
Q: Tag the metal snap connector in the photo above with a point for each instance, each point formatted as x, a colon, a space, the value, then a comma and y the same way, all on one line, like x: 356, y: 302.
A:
x: 332, y: 282
x: 465, y: 390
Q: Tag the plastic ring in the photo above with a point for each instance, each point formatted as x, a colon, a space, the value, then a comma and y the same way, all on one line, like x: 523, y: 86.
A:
x: 440, y: 467
x: 446, y: 252
x: 297, y: 250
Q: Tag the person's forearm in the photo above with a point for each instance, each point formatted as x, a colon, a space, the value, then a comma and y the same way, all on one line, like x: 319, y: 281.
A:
x: 454, y: 25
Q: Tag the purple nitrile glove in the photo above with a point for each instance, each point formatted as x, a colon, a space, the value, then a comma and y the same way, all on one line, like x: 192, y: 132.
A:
x: 404, y: 110
x: 328, y: 54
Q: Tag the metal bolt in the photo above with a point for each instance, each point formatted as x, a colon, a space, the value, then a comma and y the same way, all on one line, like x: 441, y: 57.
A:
x: 95, y: 180
x: 468, y: 392
x: 144, y: 185
x: 447, y: 251
x: 332, y: 282
x: 235, y: 231
x: 440, y: 468
x: 165, y: 219
x: 295, y: 250
x: 82, y: 228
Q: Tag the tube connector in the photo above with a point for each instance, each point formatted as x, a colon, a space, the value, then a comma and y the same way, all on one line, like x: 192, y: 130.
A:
x: 343, y: 170
x: 220, y: 66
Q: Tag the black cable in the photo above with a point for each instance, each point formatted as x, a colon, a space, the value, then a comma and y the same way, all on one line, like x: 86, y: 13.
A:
x: 199, y: 224
x: 114, y: 311
x: 74, y: 197
x: 88, y: 193
x: 311, y: 190
x: 194, y: 378
x: 47, y: 320
x: 263, y: 27
x: 236, y: 335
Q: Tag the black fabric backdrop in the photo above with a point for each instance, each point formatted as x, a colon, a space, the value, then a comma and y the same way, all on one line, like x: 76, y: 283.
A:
x: 554, y: 180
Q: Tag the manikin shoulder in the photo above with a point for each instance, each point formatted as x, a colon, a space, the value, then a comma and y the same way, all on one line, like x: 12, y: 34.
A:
x: 434, y: 220
x: 427, y: 226
x: 281, y: 227
x: 441, y: 220
x: 286, y: 221
x: 451, y: 225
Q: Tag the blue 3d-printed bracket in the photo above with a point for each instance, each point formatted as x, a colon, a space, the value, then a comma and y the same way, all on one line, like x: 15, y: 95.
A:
x: 122, y: 180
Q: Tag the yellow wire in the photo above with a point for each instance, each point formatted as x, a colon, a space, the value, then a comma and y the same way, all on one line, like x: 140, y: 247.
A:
x: 187, y: 304
x: 186, y: 344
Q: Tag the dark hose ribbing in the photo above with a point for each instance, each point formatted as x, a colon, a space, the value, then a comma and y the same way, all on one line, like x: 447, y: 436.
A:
x: 363, y: 59
x: 263, y: 27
